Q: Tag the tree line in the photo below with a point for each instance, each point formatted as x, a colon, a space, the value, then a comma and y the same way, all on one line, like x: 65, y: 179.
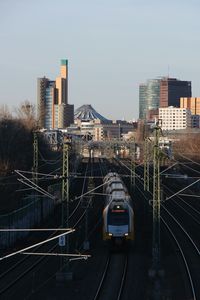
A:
x: 16, y: 137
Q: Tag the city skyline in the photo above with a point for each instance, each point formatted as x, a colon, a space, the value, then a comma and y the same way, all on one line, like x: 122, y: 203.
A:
x: 111, y: 48
x: 53, y: 109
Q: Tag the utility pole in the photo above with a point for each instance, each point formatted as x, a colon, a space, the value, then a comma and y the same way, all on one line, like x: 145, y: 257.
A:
x: 64, y: 274
x: 35, y: 173
x: 156, y: 201
x: 146, y: 164
x: 64, y: 240
x: 35, y: 158
x: 132, y: 154
x: 87, y: 200
x: 156, y: 273
x: 65, y: 187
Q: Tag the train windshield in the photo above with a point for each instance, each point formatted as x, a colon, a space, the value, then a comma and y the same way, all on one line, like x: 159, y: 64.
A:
x: 118, y: 217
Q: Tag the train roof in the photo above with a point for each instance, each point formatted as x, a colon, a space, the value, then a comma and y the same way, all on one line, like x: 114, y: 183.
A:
x: 116, y: 185
x: 118, y: 195
x: 121, y: 204
x: 109, y: 176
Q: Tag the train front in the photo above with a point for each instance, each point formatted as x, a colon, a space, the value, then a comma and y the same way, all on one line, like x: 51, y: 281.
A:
x: 118, y: 222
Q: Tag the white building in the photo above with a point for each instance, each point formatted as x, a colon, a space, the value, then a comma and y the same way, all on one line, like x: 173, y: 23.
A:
x: 174, y: 118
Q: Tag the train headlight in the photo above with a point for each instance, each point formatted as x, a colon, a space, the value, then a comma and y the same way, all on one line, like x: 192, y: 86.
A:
x: 126, y: 234
x: 110, y: 234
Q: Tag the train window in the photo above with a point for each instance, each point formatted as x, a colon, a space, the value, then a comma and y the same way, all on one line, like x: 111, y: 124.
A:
x: 118, y: 217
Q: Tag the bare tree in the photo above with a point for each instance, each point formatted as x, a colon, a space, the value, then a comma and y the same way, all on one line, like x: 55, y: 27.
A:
x: 26, y: 113
x: 188, y: 145
x: 5, y: 112
x: 15, y: 146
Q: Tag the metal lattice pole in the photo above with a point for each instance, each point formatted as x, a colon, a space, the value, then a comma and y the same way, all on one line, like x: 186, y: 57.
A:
x: 35, y: 158
x: 146, y: 165
x: 65, y: 186
x: 64, y: 242
x: 133, y: 163
x: 35, y: 172
x: 156, y: 201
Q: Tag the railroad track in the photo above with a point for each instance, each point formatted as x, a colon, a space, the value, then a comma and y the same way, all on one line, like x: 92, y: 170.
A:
x: 176, y: 215
x: 25, y: 265
x: 188, y: 250
x: 113, y: 278
x: 186, y: 213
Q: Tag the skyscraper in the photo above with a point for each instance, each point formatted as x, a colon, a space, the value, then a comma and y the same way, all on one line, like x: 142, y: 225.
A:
x: 172, y: 89
x: 52, y: 100
x: 149, y: 96
x: 142, y: 101
x: 62, y: 82
x: 46, y: 98
x: 162, y: 92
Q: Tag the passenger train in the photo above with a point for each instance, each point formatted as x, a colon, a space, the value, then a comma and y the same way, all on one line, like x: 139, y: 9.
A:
x: 118, y: 215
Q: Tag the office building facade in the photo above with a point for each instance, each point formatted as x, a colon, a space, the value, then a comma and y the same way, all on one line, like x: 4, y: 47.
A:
x: 174, y: 118
x: 172, y: 89
x: 162, y: 92
x: 149, y: 96
x: 53, y: 109
x: 195, y: 120
x: 192, y: 103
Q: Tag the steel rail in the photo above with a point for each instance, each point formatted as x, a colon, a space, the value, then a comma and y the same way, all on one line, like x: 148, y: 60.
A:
x: 123, y: 279
x: 100, y: 288
x: 19, y: 263
x: 184, y: 259
x: 97, y: 295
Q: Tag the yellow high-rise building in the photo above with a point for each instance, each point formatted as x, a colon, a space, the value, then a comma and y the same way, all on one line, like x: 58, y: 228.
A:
x: 62, y: 83
x: 192, y: 103
x: 53, y: 108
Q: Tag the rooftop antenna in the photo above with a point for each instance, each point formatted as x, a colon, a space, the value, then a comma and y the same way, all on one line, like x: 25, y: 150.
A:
x: 168, y: 71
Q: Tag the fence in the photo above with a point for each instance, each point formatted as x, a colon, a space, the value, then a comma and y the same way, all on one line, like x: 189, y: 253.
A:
x: 29, y: 216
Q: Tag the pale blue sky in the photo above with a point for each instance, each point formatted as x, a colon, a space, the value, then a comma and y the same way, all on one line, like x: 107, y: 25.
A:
x: 111, y: 45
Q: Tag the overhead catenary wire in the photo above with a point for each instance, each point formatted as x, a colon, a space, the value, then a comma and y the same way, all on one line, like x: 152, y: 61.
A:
x: 194, y: 162
x: 38, y: 173
x: 141, y: 179
x: 37, y: 188
x: 35, y: 245
x: 85, y: 256
x: 186, y: 164
x: 179, y: 192
x: 168, y: 198
x: 72, y: 258
x: 32, y: 229
x: 187, y: 234
x: 33, y: 185
x: 190, y: 168
x: 189, y: 195
x: 136, y: 175
x: 176, y: 242
x: 47, y: 161
x: 177, y: 162
x: 89, y: 192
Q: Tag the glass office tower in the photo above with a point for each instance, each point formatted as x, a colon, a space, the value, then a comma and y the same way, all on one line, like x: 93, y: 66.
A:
x: 162, y: 92
x: 149, y: 97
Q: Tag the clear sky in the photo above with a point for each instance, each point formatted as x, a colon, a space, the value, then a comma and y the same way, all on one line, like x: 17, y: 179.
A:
x: 111, y: 45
